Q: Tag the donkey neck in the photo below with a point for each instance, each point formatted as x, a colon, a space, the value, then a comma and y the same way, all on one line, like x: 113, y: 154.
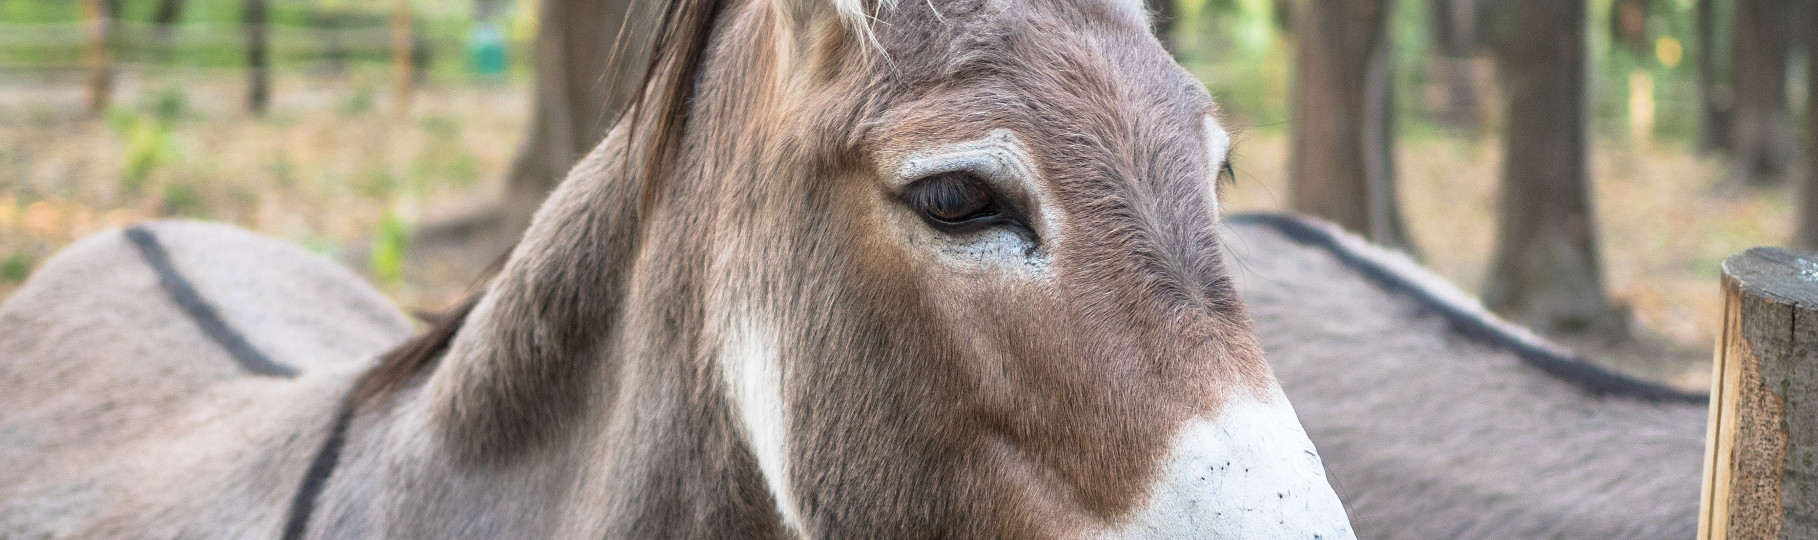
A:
x: 612, y: 276
x: 586, y: 374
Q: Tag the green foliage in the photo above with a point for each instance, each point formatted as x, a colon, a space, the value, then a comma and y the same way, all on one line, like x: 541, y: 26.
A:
x: 38, y: 11
x: 321, y: 245
x: 283, y: 171
x: 148, y: 137
x: 170, y: 106
x: 441, y: 128
x: 464, y: 170
x: 1235, y: 48
x: 183, y: 199
x: 16, y: 267
x: 389, y: 249
x: 360, y: 102
x: 121, y: 119
x: 147, y: 147
x: 443, y: 158
x: 376, y: 182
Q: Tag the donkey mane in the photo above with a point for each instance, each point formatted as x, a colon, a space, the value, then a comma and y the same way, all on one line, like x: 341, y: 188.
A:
x: 684, y: 28
x: 1464, y: 316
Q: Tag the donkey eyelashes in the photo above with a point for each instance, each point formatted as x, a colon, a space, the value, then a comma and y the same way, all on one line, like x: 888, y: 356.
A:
x: 951, y: 198
x: 958, y: 202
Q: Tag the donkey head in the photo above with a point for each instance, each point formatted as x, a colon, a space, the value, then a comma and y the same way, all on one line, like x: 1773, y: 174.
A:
x: 964, y: 276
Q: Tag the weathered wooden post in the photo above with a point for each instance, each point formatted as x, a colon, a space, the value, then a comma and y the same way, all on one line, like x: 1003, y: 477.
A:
x: 1761, y: 455
x: 99, y: 53
x: 258, y: 55
x: 403, y: 72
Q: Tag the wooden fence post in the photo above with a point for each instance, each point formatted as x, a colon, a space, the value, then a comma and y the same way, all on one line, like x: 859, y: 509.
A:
x: 403, y: 72
x: 99, y: 52
x: 1761, y: 455
x: 258, y: 55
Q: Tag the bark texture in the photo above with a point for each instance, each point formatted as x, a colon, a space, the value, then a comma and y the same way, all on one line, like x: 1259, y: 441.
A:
x: 1341, y: 137
x: 1761, y: 132
x: 1546, y: 270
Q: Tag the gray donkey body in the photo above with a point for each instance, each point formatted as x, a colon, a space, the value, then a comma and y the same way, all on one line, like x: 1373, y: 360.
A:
x: 1437, y: 420
x: 118, y: 398
x: 1428, y: 431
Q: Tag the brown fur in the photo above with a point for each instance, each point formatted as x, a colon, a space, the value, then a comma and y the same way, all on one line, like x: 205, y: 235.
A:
x: 583, y: 395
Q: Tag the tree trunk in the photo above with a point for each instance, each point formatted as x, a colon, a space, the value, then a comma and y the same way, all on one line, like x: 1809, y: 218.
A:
x: 1455, y: 26
x: 1806, y: 232
x: 1629, y: 26
x: 1761, y: 132
x: 1546, y: 270
x: 258, y: 58
x: 1161, y: 13
x: 101, y: 16
x: 581, y: 85
x: 1715, y: 95
x: 1385, y: 223
x: 1340, y: 126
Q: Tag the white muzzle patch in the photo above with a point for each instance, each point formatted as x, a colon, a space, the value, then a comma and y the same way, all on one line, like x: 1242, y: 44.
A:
x: 1250, y: 473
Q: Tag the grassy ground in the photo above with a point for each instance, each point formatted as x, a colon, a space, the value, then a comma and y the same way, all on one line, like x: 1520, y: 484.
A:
x: 334, y: 167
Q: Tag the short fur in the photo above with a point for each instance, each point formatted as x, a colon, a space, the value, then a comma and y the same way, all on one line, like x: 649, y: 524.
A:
x: 1430, y: 432
x: 121, y: 418
x: 741, y: 219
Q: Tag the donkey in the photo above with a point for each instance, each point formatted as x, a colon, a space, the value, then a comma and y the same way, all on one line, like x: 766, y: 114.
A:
x: 1438, y: 420
x: 844, y: 270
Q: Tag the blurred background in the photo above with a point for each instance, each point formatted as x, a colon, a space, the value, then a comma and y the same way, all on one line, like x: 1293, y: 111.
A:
x: 1585, y: 166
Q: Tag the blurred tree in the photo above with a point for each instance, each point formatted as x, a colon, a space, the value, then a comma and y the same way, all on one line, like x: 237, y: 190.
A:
x: 1715, y: 95
x: 258, y: 58
x: 1456, y: 29
x: 583, y: 78
x: 1385, y: 222
x: 1161, y: 13
x: 1341, y: 161
x: 164, y: 20
x: 1284, y: 15
x: 1761, y: 133
x: 1805, y: 234
x: 1629, y: 26
x: 1546, y: 270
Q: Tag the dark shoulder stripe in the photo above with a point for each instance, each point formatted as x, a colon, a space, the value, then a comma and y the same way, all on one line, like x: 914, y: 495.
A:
x: 1591, y: 378
x: 199, y: 310
x: 303, y: 503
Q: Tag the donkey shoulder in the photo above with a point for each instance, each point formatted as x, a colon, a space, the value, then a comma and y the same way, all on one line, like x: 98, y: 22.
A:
x: 154, y: 313
x: 190, y: 289
x: 109, y: 352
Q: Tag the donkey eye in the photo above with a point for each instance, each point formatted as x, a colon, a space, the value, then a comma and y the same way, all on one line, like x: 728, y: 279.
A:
x: 954, y: 202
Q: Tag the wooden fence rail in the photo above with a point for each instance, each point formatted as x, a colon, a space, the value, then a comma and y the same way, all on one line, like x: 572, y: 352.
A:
x: 1761, y: 474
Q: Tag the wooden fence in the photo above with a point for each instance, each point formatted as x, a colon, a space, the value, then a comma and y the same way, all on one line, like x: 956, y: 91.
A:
x: 1761, y: 474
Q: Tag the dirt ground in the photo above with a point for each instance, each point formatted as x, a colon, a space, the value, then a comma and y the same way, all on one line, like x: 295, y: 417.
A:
x: 336, y: 168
